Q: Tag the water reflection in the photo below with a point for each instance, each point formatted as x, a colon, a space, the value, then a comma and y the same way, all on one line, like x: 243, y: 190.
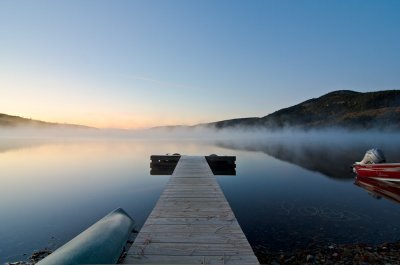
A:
x: 13, y: 144
x: 52, y: 190
x: 380, y: 188
x: 283, y: 207
x: 331, y: 157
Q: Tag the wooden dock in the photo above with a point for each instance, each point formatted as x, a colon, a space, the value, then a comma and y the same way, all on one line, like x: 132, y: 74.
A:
x: 192, y: 223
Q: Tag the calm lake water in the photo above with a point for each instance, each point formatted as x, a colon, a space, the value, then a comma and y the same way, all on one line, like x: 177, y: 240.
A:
x: 291, y: 191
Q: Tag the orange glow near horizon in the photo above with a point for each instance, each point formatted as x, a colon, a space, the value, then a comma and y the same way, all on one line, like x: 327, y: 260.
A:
x: 109, y: 121
x: 33, y: 97
x: 53, y: 98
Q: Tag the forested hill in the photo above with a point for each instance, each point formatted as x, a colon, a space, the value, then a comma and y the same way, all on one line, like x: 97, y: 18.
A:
x: 343, y: 108
x: 9, y: 121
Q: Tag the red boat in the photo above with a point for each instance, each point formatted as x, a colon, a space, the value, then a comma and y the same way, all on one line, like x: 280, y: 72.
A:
x: 373, y: 166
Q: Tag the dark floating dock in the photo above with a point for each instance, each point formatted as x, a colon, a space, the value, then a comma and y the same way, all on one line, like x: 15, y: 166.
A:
x: 192, y: 222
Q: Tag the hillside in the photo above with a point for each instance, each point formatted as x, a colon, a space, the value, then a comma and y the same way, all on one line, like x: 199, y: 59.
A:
x: 344, y: 108
x: 9, y: 121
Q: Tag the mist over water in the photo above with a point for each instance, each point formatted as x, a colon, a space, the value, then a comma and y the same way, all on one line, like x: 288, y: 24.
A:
x: 292, y: 188
x: 203, y: 132
x: 330, y: 153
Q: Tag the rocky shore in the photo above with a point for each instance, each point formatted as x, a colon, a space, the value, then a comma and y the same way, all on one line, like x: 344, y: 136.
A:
x: 34, y: 258
x: 357, y: 254
x: 363, y: 254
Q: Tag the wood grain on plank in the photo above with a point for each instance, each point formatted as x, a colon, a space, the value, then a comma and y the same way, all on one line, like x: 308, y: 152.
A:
x: 192, y: 223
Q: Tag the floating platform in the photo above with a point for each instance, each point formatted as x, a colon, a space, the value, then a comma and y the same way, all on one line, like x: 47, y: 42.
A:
x: 192, y: 222
x: 165, y: 164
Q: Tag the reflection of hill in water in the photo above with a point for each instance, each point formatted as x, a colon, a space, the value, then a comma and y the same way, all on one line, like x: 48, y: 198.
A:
x: 11, y: 144
x: 332, y: 159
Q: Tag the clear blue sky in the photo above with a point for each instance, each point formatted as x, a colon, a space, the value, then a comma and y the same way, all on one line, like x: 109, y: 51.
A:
x: 144, y: 63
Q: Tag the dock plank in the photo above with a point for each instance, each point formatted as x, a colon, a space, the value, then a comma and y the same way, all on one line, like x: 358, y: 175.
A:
x: 209, y: 259
x: 192, y: 223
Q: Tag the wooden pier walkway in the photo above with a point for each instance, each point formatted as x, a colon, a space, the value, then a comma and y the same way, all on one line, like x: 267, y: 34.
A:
x: 192, y: 223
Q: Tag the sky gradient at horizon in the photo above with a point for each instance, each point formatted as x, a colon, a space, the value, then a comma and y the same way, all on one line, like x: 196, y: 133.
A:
x: 135, y: 64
